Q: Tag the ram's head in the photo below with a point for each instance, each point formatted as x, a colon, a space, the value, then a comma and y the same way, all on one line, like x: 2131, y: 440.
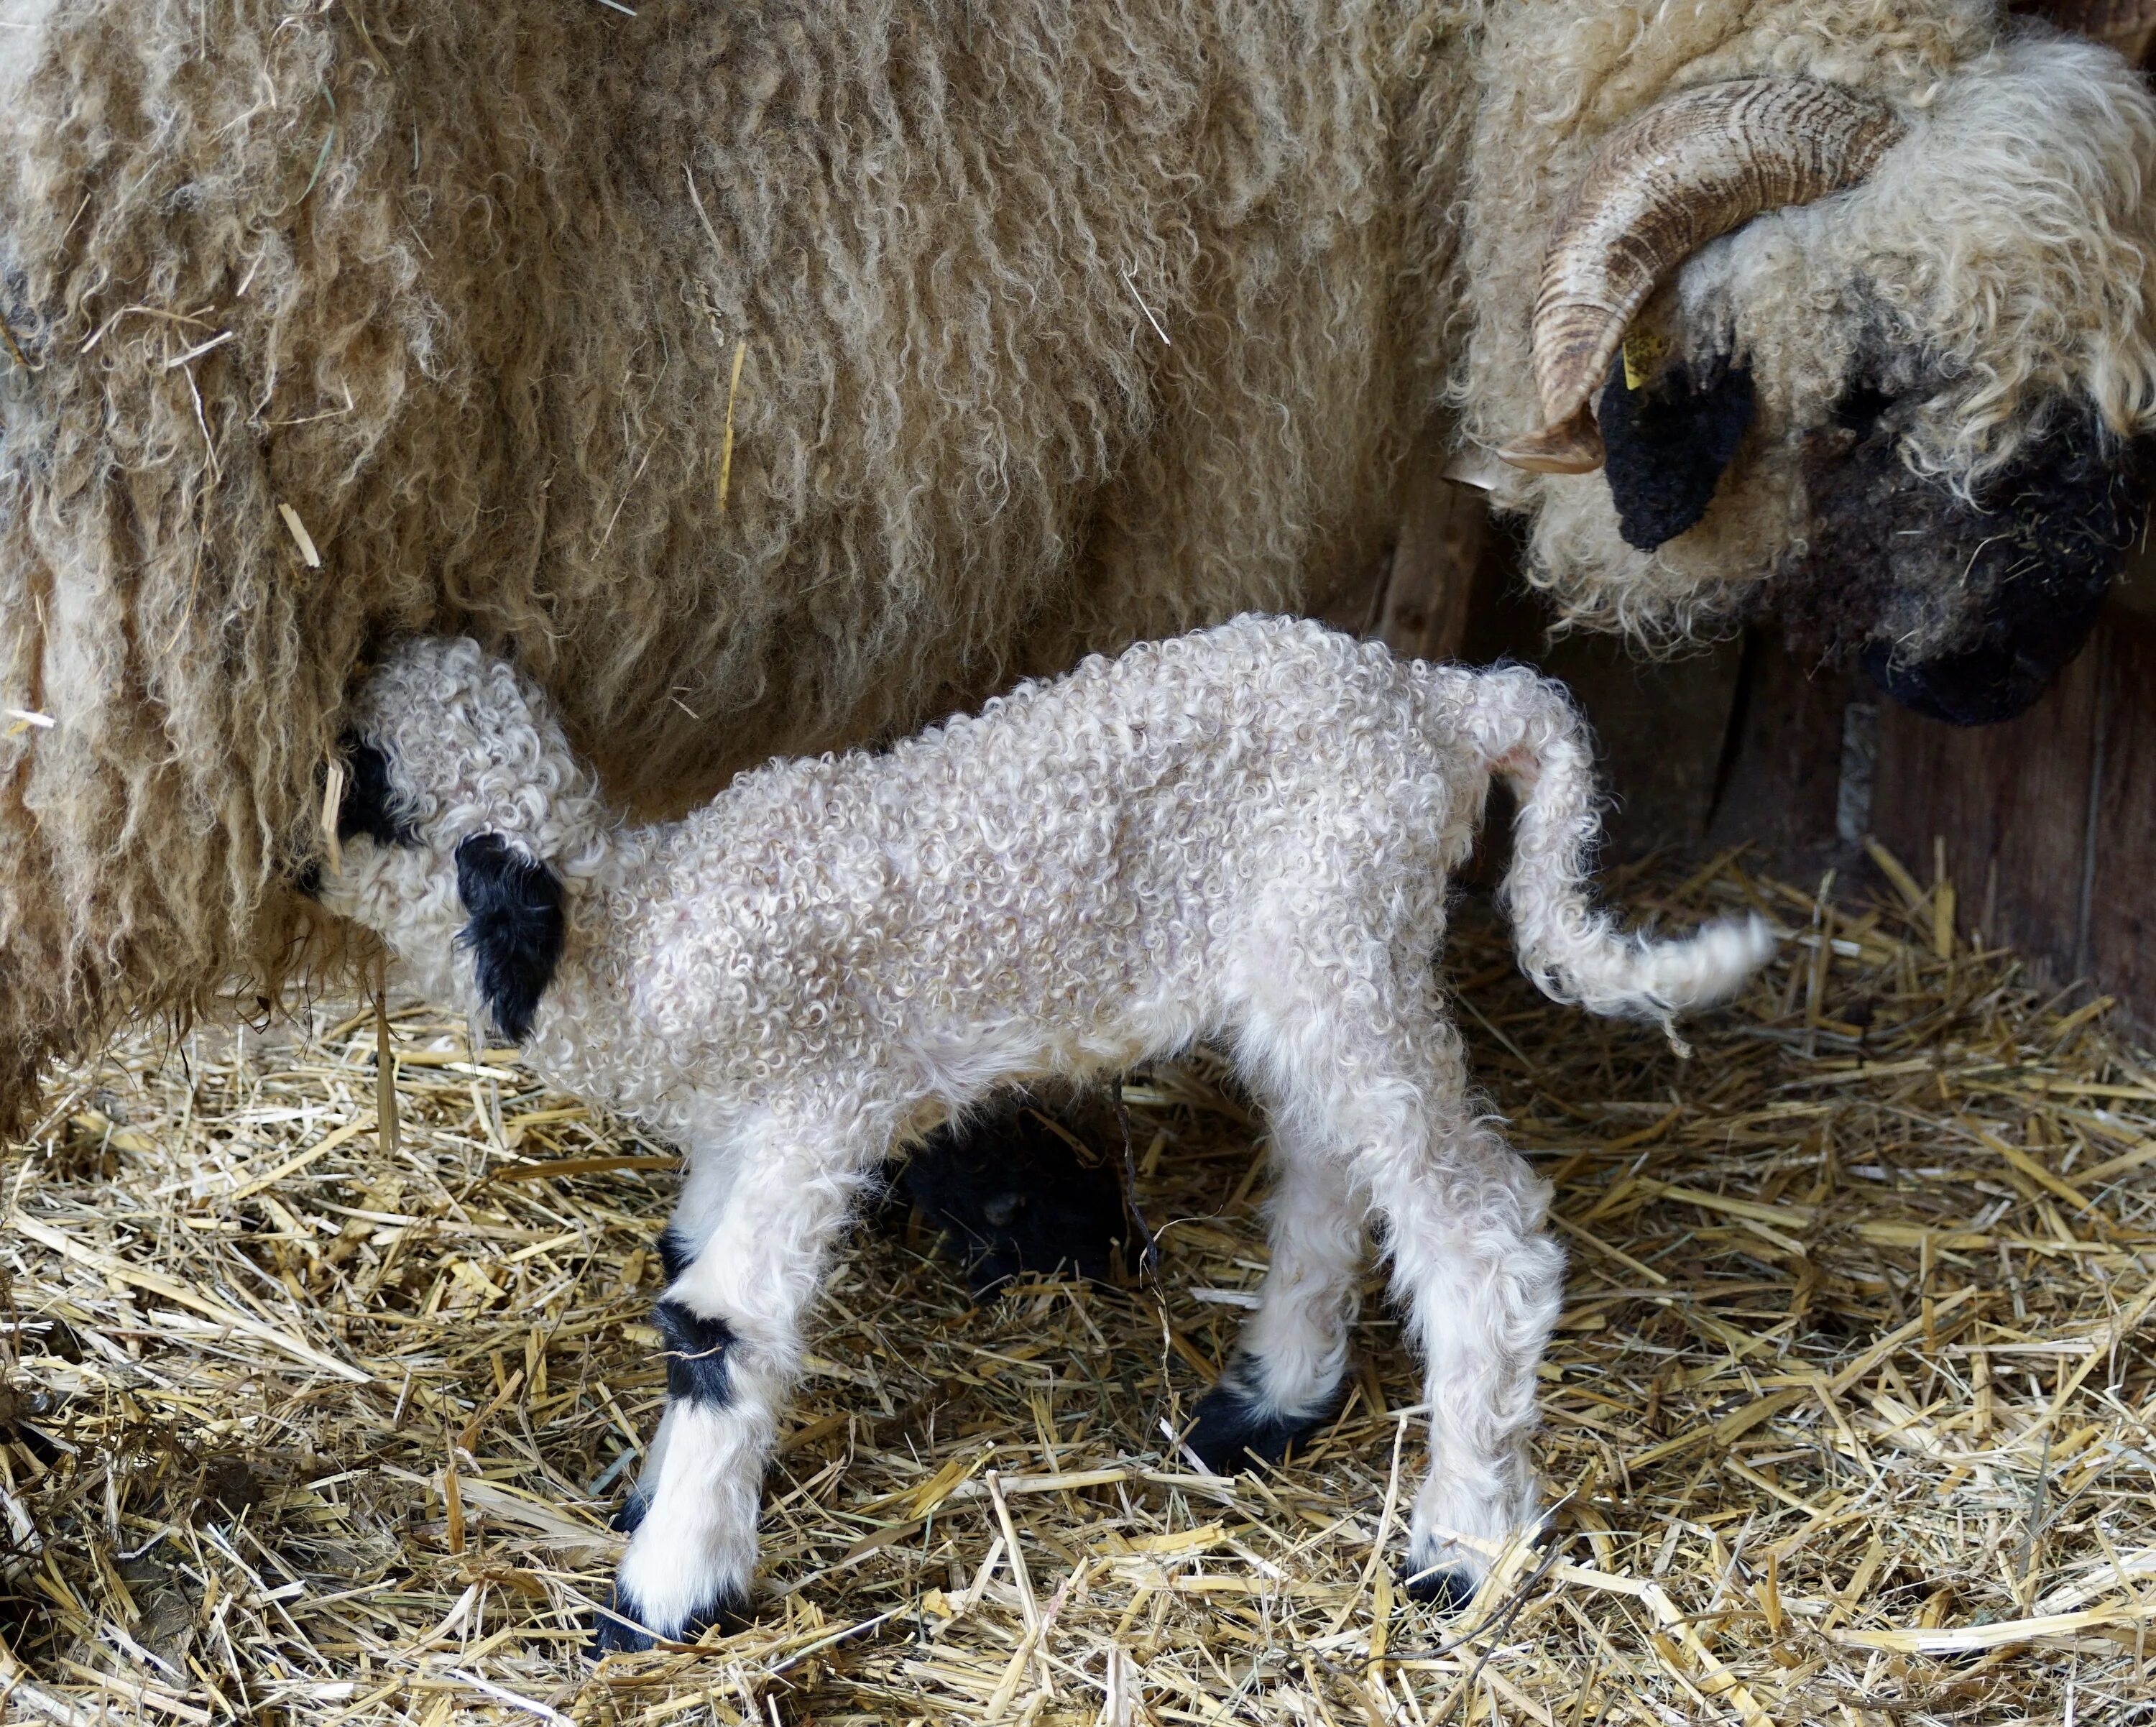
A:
x: 1876, y: 359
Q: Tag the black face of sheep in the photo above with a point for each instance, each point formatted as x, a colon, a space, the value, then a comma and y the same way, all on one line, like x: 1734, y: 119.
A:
x: 1010, y: 1193
x: 1756, y: 248
x: 366, y: 806
x: 1961, y: 607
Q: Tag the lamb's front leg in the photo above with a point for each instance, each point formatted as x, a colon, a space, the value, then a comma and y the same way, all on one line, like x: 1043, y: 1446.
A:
x: 730, y: 1324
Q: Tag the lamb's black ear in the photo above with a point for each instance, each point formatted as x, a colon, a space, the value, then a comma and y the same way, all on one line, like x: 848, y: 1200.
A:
x: 1666, y: 443
x: 515, y: 930
x: 365, y: 807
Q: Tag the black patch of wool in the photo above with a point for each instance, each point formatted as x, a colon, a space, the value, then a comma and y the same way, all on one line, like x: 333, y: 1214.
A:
x: 516, y: 929
x: 1234, y: 1425
x: 1011, y: 1195
x: 695, y: 1354
x: 675, y: 1255
x: 618, y: 1628
x: 1963, y: 611
x: 631, y: 1518
x: 368, y: 804
x: 1666, y: 443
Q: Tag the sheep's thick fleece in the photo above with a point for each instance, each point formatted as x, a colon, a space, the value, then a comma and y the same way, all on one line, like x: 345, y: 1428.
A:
x: 1244, y: 835
x: 774, y: 376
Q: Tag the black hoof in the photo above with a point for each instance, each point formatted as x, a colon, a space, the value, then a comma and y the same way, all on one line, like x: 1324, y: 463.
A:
x: 617, y: 1627
x: 620, y: 1627
x: 1448, y: 1588
x: 1233, y: 1427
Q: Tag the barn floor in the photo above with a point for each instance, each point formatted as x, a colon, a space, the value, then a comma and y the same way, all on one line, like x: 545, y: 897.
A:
x: 1847, y: 1419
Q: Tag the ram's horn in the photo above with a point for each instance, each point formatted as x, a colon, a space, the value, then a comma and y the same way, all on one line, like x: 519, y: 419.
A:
x: 1689, y: 169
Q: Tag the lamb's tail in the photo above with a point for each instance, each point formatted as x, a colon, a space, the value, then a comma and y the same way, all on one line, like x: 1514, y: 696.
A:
x: 1533, y: 738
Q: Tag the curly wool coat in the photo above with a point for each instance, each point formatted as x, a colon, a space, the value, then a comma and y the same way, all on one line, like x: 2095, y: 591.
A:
x: 770, y: 376
x: 1244, y: 835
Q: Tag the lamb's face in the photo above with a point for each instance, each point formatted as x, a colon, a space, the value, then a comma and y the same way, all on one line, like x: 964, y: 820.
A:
x: 461, y: 800
x: 1898, y: 404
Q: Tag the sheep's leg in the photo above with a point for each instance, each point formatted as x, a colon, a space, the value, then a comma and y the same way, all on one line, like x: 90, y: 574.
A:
x: 1482, y: 1283
x: 1387, y: 1095
x: 696, y: 1214
x: 1284, y: 1382
x: 731, y: 1319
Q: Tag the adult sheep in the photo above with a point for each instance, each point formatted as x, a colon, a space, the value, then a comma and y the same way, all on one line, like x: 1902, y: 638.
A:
x: 765, y: 376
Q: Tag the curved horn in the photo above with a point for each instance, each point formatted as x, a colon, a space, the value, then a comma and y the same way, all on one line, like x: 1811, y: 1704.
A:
x: 1689, y: 169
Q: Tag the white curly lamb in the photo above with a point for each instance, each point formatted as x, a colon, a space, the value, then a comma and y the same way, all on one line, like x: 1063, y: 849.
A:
x: 1244, y: 835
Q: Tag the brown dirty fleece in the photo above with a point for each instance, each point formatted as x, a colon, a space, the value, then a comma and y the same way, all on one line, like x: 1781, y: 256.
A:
x: 762, y: 377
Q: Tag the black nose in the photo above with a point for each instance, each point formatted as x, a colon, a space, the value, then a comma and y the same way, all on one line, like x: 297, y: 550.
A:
x: 370, y: 805
x: 2044, y: 555
x: 1998, y: 680
x: 1964, y: 610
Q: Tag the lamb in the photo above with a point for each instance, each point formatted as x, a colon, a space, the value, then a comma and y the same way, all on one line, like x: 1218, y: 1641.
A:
x: 775, y: 376
x: 1244, y: 835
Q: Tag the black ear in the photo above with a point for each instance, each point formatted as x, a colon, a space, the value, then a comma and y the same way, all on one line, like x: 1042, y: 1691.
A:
x: 366, y: 808
x: 1668, y: 443
x: 515, y: 930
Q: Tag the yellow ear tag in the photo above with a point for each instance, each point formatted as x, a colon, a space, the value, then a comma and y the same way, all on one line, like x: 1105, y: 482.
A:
x: 1643, y: 352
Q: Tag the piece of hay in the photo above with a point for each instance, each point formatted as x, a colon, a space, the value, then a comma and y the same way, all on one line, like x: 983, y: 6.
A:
x: 1845, y: 1407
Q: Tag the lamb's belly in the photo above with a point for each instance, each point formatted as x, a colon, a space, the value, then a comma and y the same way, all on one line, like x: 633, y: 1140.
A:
x: 960, y: 1047
x: 957, y: 1063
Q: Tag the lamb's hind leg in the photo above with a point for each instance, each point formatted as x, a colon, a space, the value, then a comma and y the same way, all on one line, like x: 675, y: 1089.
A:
x: 1388, y: 1095
x: 731, y: 1321
x: 1284, y: 1382
x: 1482, y: 1283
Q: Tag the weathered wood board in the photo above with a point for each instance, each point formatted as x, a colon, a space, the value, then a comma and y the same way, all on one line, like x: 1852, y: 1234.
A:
x: 2043, y: 825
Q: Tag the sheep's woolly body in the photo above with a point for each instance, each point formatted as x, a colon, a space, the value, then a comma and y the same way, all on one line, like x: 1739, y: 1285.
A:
x: 1074, y: 878
x: 1244, y: 835
x: 1035, y: 302
x: 1058, y: 325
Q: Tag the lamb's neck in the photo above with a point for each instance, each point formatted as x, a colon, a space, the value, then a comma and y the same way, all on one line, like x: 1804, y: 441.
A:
x: 572, y: 1047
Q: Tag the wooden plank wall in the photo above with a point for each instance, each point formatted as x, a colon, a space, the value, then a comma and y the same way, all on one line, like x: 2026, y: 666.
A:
x: 2043, y: 826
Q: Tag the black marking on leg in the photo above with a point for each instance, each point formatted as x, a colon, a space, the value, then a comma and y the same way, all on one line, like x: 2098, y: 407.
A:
x: 695, y: 1354
x: 1447, y: 1588
x: 624, y: 1521
x: 1234, y: 1423
x: 676, y: 1254
x: 619, y: 1628
x: 516, y: 930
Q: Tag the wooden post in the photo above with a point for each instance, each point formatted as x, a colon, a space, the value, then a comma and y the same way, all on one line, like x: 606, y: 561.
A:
x: 2012, y: 804
x: 1445, y: 541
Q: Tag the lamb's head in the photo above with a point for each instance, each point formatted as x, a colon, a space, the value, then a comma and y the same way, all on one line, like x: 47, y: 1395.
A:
x: 1873, y: 355
x: 463, y: 824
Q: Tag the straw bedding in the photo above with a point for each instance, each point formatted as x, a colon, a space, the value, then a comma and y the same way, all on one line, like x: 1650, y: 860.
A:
x: 317, y: 1421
